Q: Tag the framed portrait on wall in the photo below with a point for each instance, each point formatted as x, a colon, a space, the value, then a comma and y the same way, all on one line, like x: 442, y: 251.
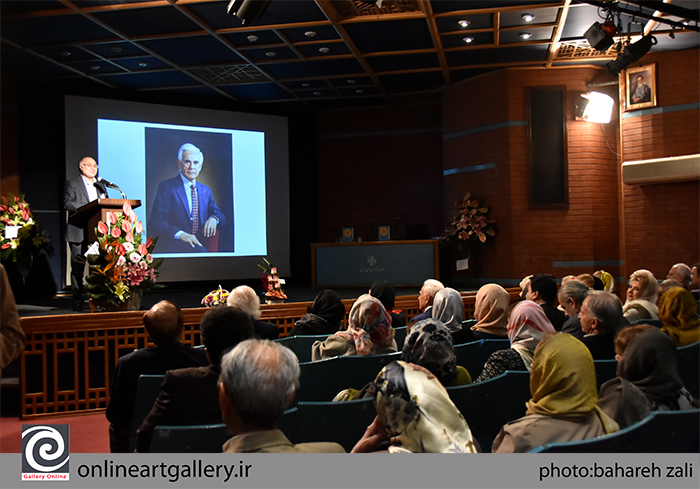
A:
x: 640, y: 91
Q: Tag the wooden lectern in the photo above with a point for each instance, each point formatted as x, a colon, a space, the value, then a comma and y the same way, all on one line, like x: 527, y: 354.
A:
x: 96, y: 211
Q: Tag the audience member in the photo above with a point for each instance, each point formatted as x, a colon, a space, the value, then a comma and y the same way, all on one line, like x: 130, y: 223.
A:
x: 491, y: 308
x: 625, y: 335
x: 571, y: 296
x: 678, y: 312
x: 369, y: 332
x: 564, y: 405
x: 647, y: 379
x: 386, y: 294
x: 680, y: 272
x: 324, y: 315
x: 258, y: 382
x: 665, y: 285
x: 12, y: 338
x: 587, y: 279
x: 694, y: 285
x: 425, y: 299
x: 524, y: 287
x: 527, y: 326
x: 641, y: 297
x: 164, y: 324
x: 190, y: 396
x: 245, y: 299
x: 448, y: 308
x: 543, y: 292
x: 607, y: 279
x: 414, y: 415
x: 601, y: 314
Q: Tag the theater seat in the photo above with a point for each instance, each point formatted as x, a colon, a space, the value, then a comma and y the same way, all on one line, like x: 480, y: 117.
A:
x: 147, y: 391
x: 689, y: 367
x: 207, y: 438
x: 604, y: 371
x: 301, y: 345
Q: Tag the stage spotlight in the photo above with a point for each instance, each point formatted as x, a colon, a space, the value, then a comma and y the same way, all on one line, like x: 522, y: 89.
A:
x: 599, y: 36
x: 595, y: 107
x: 247, y: 10
x: 632, y: 53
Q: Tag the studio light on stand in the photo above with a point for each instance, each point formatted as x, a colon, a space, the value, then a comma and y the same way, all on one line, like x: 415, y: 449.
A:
x: 595, y: 107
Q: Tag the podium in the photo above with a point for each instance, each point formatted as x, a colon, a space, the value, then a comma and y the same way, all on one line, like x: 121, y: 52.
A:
x: 93, y: 212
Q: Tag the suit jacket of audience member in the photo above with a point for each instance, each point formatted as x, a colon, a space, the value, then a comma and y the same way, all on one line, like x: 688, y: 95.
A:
x: 572, y: 326
x: 188, y: 396
x: 75, y: 196
x: 398, y: 319
x: 147, y: 361
x: 274, y: 441
x: 602, y: 346
x: 265, y: 330
x: 427, y: 314
x: 555, y: 316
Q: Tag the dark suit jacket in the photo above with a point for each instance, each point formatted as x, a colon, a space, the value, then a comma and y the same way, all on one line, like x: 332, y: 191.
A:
x: 555, y: 316
x: 75, y: 196
x: 601, y: 346
x: 171, y: 212
x: 147, y: 361
x: 427, y: 314
x: 265, y: 330
x: 188, y: 396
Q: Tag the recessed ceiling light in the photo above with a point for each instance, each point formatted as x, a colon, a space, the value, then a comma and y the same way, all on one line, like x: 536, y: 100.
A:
x: 306, y: 84
x: 65, y: 53
x: 468, y: 39
x: 317, y: 93
x: 528, y: 17
x: 324, y: 50
x: 359, y: 90
x: 253, y: 38
x: 270, y: 54
x: 143, y: 64
x: 463, y: 23
x: 526, y: 35
x: 310, y: 34
x: 95, y: 67
x: 351, y: 81
x: 116, y: 49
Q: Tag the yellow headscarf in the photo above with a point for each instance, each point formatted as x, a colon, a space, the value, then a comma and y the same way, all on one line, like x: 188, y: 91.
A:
x: 563, y: 382
x: 678, y: 312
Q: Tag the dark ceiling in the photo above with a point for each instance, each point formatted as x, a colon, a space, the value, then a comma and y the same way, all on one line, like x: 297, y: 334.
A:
x: 307, y: 50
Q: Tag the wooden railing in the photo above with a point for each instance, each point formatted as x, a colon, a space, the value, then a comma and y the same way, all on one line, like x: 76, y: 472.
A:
x: 68, y: 361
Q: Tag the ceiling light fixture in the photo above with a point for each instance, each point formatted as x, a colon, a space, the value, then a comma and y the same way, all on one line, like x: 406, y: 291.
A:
x: 247, y: 10
x: 463, y: 23
x: 317, y: 93
x: 359, y: 90
x: 252, y: 38
x: 632, y: 53
x: 270, y: 54
x: 526, y: 35
x: 116, y: 49
x: 65, y: 53
x: 95, y: 67
x: 599, y: 36
x: 143, y: 64
x: 351, y: 82
x: 324, y: 50
x: 306, y: 85
x: 528, y: 17
x: 468, y: 39
x: 310, y: 34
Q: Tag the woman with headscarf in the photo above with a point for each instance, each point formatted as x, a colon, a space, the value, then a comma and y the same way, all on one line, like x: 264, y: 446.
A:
x: 448, y: 308
x: 491, y: 313
x: 607, y: 279
x: 414, y: 415
x: 386, y: 294
x: 678, y: 312
x: 564, y: 404
x: 369, y: 332
x: 526, y: 328
x: 323, y: 316
x: 641, y: 297
x: 647, y: 380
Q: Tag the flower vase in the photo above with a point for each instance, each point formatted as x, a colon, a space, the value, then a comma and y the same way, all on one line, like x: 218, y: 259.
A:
x: 102, y: 305
x: 273, y: 300
x: 134, y: 302
x: 25, y: 260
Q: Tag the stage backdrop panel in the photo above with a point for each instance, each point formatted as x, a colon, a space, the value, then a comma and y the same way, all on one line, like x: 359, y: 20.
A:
x: 401, y: 263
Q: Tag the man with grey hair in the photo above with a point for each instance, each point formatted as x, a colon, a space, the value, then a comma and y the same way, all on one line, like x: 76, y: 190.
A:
x: 601, y: 314
x: 571, y: 296
x: 245, y: 298
x: 184, y: 213
x: 425, y: 299
x: 258, y: 381
x: 680, y: 272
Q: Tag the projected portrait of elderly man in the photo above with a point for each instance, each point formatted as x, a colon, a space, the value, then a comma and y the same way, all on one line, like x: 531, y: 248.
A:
x: 184, y: 214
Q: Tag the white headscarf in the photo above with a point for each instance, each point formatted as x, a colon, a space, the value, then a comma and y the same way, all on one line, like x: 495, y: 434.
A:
x: 449, y: 309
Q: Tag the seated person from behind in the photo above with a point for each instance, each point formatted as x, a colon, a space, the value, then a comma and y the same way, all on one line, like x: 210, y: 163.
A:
x: 641, y: 297
x: 190, y: 396
x: 491, y: 308
x: 601, y: 314
x: 564, y: 404
x: 571, y: 296
x: 448, y: 308
x: 184, y: 211
x: 680, y: 272
x: 678, y: 312
x: 164, y: 324
x: 258, y: 381
x: 694, y: 285
x: 369, y: 332
x: 245, y: 299
x: 425, y: 299
x: 386, y: 294
x: 542, y: 290
x: 324, y: 316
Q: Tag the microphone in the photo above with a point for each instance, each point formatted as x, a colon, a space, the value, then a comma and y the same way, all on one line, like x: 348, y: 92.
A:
x: 109, y: 184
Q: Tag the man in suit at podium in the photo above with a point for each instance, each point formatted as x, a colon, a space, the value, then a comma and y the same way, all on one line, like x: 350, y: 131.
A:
x: 184, y: 210
x: 77, y: 192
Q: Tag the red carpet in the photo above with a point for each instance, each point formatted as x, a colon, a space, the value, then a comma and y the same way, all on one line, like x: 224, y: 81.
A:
x: 88, y: 434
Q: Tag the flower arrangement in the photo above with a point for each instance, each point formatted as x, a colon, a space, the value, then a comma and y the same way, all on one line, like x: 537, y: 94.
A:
x: 470, y: 222
x: 119, y: 261
x: 19, y: 232
x: 216, y: 297
x: 271, y: 281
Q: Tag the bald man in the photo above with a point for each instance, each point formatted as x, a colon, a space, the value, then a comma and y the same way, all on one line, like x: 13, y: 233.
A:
x: 164, y: 324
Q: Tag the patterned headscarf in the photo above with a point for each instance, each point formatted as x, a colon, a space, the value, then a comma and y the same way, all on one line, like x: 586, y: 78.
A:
x: 563, y: 381
x: 649, y: 362
x: 448, y: 308
x: 526, y: 327
x: 678, y: 312
x: 417, y: 412
x: 369, y: 325
x: 429, y: 344
x: 491, y: 310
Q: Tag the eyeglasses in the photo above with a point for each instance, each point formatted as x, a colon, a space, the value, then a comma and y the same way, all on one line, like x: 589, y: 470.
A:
x: 89, y: 165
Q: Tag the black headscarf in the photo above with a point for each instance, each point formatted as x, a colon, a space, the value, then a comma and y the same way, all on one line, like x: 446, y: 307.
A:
x: 383, y: 291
